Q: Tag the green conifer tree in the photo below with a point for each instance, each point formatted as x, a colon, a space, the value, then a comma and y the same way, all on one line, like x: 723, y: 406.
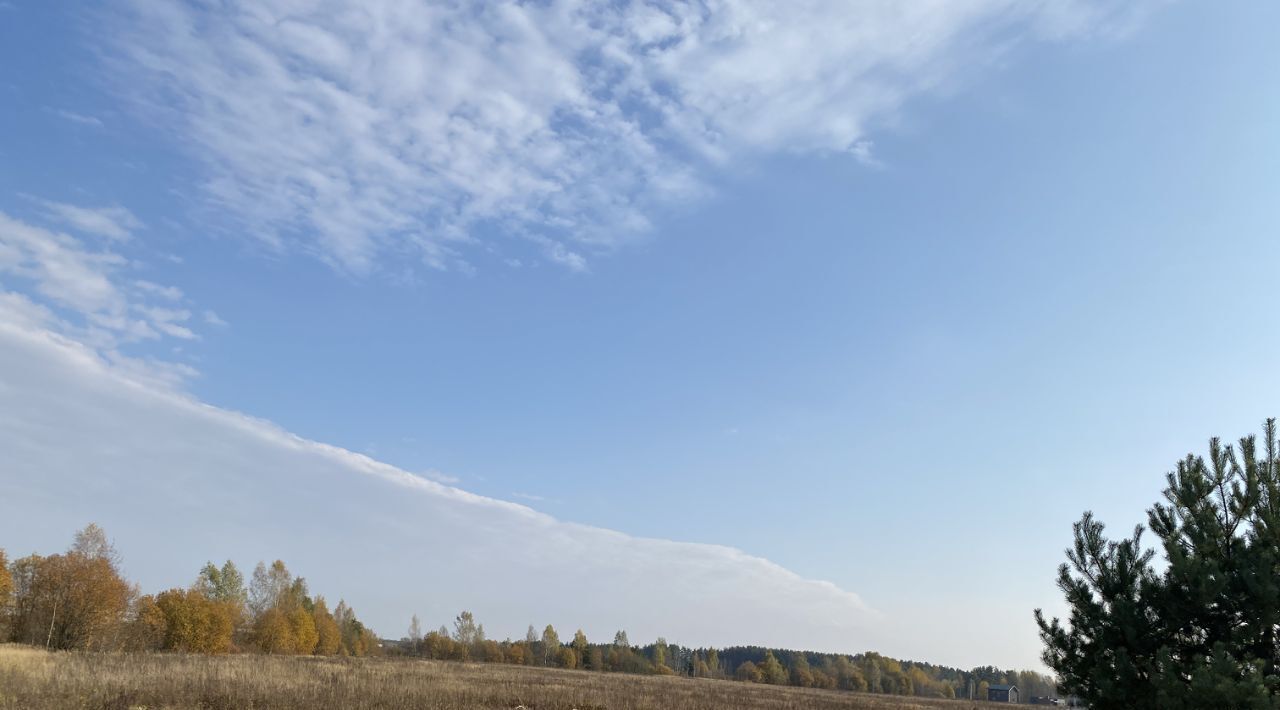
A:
x: 1200, y: 633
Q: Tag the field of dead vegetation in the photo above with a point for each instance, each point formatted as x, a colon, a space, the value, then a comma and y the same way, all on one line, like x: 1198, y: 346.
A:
x: 34, y: 679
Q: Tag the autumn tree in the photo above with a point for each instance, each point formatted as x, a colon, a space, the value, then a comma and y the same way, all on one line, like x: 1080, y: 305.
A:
x: 357, y: 640
x: 468, y: 634
x: 566, y: 658
x: 822, y: 680
x: 272, y: 632
x: 225, y: 585
x: 550, y: 645
x: 922, y: 685
x: 91, y: 543
x: 6, y: 591
x: 146, y: 628
x: 848, y: 675
x: 328, y: 637
x: 303, y: 626
x: 369, y: 640
x: 415, y: 634
x: 269, y: 587
x: 25, y: 604
x: 748, y: 672
x: 800, y: 674
x: 580, y: 648
x: 74, y: 600
x: 490, y: 651
x: 439, y: 645
x: 284, y: 615
x: 772, y: 671
x: 659, y: 657
x: 194, y: 623
x: 534, y: 645
x: 519, y: 654
x: 873, y: 673
x: 222, y: 584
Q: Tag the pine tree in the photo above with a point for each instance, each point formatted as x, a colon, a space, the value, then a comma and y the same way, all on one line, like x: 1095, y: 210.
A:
x: 1202, y: 633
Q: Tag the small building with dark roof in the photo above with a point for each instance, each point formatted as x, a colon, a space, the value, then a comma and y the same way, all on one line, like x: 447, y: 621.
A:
x: 1002, y: 693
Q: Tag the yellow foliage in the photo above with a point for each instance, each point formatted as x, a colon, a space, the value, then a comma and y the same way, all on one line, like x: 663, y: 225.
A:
x: 147, y: 629
x: 195, y: 623
x: 749, y: 672
x: 369, y: 643
x: 568, y: 659
x: 6, y: 581
x: 328, y: 636
x: 303, y: 627
x: 273, y: 634
x: 491, y: 652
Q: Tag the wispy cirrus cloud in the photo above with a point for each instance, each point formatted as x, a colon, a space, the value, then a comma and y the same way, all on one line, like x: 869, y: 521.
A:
x: 112, y: 221
x: 371, y: 131
x: 69, y: 283
x: 79, y: 118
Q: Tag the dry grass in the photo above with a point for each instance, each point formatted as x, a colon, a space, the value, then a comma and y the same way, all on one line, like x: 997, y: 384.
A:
x: 34, y: 679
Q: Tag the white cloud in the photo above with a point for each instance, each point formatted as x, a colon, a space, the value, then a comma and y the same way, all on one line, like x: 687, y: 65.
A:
x: 529, y: 497
x: 171, y: 293
x: 862, y: 151
x: 52, y: 279
x: 84, y: 440
x: 61, y: 268
x: 113, y: 222
x: 440, y: 477
x: 80, y: 118
x: 169, y: 320
x: 214, y: 319
x: 363, y: 132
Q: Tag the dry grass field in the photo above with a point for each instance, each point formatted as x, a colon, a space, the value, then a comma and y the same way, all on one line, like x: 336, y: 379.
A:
x: 33, y: 679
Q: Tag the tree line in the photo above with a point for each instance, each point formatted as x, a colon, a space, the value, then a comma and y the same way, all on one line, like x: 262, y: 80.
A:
x: 866, y: 672
x: 80, y: 600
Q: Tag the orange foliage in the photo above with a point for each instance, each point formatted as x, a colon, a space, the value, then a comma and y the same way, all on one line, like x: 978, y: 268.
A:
x: 195, y: 623
x: 273, y: 634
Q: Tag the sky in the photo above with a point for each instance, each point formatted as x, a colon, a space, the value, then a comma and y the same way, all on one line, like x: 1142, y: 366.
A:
x: 813, y: 328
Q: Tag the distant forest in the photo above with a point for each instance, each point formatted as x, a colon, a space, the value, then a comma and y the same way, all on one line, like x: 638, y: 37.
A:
x: 865, y: 672
x: 79, y: 600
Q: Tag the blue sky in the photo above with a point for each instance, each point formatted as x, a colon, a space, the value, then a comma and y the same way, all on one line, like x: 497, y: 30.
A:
x: 883, y: 297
